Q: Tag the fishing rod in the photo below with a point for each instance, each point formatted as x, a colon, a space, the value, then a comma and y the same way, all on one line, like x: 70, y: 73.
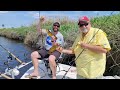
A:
x: 41, y: 19
x: 41, y: 27
x: 88, y: 43
x: 13, y: 55
x: 12, y: 71
x: 5, y: 76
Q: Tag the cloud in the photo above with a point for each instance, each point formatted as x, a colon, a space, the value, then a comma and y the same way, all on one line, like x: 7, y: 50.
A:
x: 96, y: 12
x: 47, y: 13
x: 33, y: 14
x: 73, y: 15
x: 3, y: 11
x: 53, y: 15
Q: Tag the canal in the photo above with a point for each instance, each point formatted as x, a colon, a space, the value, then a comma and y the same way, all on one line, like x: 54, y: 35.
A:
x: 19, y: 49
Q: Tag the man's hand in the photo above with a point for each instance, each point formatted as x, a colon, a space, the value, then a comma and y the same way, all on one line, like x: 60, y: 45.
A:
x: 57, y: 44
x: 53, y: 38
x: 42, y: 18
x: 39, y: 25
x: 84, y: 45
x: 94, y: 48
x: 59, y: 49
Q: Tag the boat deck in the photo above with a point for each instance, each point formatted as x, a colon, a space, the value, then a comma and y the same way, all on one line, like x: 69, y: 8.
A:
x: 45, y: 73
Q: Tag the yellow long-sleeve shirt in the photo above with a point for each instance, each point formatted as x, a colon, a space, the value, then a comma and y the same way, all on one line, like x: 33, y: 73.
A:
x: 91, y: 64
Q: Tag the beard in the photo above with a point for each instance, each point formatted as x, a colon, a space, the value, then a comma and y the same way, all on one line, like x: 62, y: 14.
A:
x: 55, y: 30
x: 84, y: 30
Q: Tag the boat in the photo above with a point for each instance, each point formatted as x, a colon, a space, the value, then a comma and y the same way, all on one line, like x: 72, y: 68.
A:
x: 63, y: 71
x: 45, y: 71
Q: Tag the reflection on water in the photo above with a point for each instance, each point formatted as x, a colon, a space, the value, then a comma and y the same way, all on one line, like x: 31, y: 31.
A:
x: 17, y: 48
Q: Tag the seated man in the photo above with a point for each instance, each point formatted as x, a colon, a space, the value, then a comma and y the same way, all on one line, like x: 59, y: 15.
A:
x: 43, y: 52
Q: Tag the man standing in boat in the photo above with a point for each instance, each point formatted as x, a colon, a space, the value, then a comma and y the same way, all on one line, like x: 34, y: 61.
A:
x: 90, y: 48
x: 55, y: 39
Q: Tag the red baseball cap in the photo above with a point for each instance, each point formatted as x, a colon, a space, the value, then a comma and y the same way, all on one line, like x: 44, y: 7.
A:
x: 83, y: 19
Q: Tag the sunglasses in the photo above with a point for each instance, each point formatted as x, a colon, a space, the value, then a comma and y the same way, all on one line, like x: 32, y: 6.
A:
x: 56, y: 25
x: 81, y: 25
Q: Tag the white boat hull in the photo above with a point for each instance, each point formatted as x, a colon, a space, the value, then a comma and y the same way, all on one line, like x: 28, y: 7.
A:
x: 45, y: 73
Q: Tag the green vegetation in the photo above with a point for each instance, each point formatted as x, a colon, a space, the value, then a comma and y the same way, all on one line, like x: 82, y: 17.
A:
x: 69, y: 29
x: 29, y: 34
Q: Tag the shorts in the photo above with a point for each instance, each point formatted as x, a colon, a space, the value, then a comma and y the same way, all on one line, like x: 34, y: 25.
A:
x: 44, y: 53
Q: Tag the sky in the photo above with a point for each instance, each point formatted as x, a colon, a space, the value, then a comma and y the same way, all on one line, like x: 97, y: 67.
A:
x: 25, y: 18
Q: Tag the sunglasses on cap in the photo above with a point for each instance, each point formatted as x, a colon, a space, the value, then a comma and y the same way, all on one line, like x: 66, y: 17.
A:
x: 81, y: 25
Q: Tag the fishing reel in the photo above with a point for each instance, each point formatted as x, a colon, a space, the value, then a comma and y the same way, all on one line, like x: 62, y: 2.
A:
x: 10, y: 57
x: 13, y: 72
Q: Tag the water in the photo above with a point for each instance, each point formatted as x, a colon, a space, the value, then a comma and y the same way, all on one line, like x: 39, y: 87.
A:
x: 17, y: 48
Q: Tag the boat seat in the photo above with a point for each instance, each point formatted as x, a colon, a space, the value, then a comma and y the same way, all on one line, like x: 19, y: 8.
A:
x: 46, y: 61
